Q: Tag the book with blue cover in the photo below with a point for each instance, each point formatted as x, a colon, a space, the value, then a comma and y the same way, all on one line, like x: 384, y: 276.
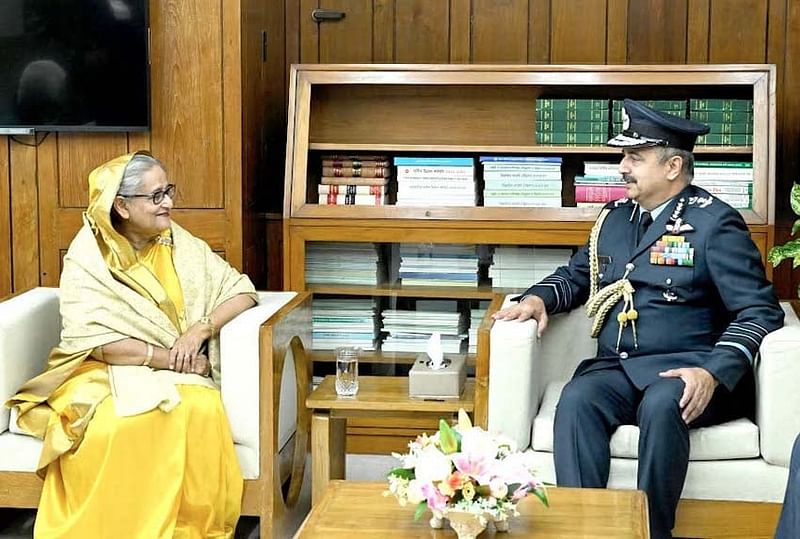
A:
x: 519, y: 159
x: 427, y: 161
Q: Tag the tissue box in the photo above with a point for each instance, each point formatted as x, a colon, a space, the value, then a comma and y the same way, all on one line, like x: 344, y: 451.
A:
x: 445, y: 383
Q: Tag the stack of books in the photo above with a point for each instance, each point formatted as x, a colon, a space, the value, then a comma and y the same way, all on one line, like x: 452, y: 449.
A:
x: 599, y: 184
x: 730, y: 181
x: 438, y: 265
x: 521, y: 181
x: 343, y: 322
x: 571, y: 122
x: 435, y: 181
x: 475, y: 318
x: 730, y: 120
x: 341, y: 263
x: 409, y: 331
x: 676, y: 107
x: 354, y: 179
x: 520, y: 267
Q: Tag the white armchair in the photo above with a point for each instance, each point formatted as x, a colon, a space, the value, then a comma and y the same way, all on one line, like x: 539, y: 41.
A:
x: 731, y: 466
x: 266, y: 378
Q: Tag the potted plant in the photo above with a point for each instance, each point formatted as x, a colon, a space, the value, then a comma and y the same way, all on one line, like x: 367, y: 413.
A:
x: 790, y: 249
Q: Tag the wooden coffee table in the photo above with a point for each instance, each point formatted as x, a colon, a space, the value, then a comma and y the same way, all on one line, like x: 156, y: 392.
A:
x: 378, y: 396
x: 358, y: 509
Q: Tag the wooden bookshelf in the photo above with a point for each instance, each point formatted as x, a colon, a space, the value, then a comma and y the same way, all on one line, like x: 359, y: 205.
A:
x: 473, y: 110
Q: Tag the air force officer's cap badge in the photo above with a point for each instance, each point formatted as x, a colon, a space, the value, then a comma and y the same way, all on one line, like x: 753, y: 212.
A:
x: 643, y: 126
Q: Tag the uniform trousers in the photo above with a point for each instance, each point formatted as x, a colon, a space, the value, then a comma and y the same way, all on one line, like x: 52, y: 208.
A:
x: 789, y: 523
x: 595, y: 402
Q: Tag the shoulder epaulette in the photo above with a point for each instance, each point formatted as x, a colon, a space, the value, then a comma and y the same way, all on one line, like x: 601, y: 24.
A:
x: 618, y: 203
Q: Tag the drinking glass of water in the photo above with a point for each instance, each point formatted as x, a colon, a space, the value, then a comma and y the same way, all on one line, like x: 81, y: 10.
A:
x: 346, y: 371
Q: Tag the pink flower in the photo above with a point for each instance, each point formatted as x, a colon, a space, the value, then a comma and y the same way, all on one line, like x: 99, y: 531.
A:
x: 474, y: 465
x: 436, y: 500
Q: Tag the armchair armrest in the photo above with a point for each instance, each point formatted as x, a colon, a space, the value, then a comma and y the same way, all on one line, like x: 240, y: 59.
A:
x: 521, y: 366
x: 30, y: 325
x: 777, y: 398
x: 239, y: 364
x: 513, y: 388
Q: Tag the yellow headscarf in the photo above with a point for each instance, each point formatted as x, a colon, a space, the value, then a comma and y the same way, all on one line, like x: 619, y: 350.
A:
x: 117, y: 251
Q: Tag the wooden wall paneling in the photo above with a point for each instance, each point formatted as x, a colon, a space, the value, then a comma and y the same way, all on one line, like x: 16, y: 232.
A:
x: 308, y: 52
x: 24, y: 198
x: 738, y: 31
x: 186, y: 95
x: 788, y: 169
x: 578, y: 32
x: 499, y: 31
x: 138, y: 140
x: 697, y: 31
x: 460, y: 18
x: 77, y: 155
x: 656, y: 31
x: 48, y: 174
x: 383, y: 35
x: 617, y: 42
x: 230, y: 143
x: 421, y: 32
x: 6, y: 284
x: 348, y: 40
x: 539, y: 32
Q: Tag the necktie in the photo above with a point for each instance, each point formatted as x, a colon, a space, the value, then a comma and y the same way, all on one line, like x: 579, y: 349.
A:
x: 644, y: 223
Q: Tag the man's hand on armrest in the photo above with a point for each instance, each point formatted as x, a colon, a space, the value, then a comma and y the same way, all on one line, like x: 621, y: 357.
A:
x: 529, y: 307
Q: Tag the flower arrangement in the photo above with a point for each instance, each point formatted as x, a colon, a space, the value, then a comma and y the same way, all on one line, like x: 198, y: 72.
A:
x: 464, y: 469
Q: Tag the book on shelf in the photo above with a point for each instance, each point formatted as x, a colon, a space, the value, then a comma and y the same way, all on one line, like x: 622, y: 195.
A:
x: 516, y: 184
x: 580, y: 115
x: 550, y: 202
x: 435, y: 172
x: 434, y: 161
x: 529, y: 159
x: 357, y: 172
x: 335, y: 189
x: 544, y: 175
x: 333, y: 160
x: 571, y: 104
x: 728, y: 188
x: 740, y: 105
x: 722, y: 139
x: 571, y: 138
x: 721, y: 116
x: 353, y: 180
x: 352, y: 199
x: 548, y: 126
x: 599, y: 193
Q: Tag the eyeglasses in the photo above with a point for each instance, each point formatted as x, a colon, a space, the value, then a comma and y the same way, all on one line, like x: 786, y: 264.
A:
x: 156, y: 197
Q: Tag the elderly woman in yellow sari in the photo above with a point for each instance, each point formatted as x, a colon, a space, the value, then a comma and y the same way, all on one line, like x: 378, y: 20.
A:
x: 136, y: 441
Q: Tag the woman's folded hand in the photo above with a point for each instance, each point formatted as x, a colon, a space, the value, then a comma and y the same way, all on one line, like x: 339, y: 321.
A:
x: 184, y: 352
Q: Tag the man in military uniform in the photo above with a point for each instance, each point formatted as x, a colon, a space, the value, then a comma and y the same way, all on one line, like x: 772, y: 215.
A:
x: 681, y: 304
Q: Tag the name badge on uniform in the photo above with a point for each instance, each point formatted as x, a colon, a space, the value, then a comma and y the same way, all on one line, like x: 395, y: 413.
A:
x: 672, y: 250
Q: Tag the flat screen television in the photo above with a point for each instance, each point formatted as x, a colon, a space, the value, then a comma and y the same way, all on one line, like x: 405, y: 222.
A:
x: 74, y: 65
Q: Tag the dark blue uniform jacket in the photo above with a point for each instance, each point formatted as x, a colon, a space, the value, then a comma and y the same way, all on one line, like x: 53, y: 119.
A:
x: 713, y: 314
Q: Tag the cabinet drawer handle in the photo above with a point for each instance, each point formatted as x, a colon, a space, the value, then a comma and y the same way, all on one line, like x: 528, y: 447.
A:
x: 323, y: 15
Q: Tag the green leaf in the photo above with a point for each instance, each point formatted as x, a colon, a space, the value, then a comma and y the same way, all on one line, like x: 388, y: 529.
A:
x: 794, y: 198
x: 447, y: 438
x: 542, y: 495
x: 421, y: 507
x: 402, y: 473
x: 779, y: 253
x: 795, y: 227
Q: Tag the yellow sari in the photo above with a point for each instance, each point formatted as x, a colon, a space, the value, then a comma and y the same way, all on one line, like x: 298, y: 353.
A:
x: 171, y: 470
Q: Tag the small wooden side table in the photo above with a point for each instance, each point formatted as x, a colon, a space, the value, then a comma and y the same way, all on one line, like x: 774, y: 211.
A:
x: 378, y: 396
